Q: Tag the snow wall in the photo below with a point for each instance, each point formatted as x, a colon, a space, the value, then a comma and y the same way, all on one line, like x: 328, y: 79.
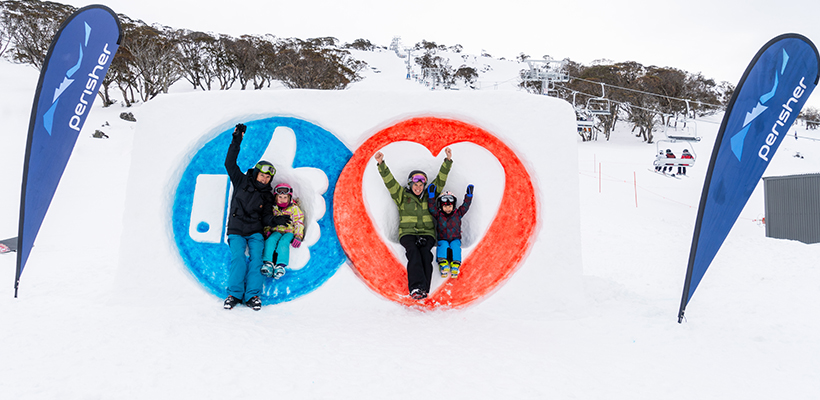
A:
x: 518, y: 150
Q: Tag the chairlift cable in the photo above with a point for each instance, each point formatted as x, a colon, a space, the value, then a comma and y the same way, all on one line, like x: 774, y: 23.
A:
x: 632, y: 105
x: 643, y: 92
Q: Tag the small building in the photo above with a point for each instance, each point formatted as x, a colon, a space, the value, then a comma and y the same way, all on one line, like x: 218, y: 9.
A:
x: 792, y: 207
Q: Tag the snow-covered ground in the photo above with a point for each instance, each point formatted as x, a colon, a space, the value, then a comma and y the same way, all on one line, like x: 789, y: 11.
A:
x: 106, y: 311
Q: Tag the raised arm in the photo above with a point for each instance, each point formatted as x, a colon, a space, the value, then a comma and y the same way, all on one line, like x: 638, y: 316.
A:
x: 396, y: 191
x: 233, y: 153
x: 468, y: 200
x: 441, y: 178
x: 431, y: 200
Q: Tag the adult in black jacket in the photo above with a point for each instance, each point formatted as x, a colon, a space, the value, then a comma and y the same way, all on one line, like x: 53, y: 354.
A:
x: 251, y: 210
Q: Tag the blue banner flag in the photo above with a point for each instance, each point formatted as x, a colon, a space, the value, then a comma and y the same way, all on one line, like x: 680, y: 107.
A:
x: 73, y: 71
x: 764, y: 106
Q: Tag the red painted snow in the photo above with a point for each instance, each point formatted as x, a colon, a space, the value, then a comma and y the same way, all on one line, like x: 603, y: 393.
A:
x: 493, y: 260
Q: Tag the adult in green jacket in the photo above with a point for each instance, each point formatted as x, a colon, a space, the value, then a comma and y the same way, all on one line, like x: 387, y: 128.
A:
x: 417, y: 230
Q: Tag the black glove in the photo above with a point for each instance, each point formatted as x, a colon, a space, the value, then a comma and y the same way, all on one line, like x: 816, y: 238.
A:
x: 470, y: 190
x: 280, y: 220
x: 431, y: 191
x: 239, y: 131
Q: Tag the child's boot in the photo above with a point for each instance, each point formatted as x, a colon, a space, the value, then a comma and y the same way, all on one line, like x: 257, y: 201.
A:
x: 267, y: 269
x: 444, y: 267
x: 279, y: 271
x: 454, y: 269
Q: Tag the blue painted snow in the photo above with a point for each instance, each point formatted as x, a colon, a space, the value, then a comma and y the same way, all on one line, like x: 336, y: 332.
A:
x: 209, y: 262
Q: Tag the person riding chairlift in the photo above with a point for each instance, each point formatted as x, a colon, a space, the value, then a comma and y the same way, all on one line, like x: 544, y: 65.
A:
x: 669, y: 154
x: 685, y: 155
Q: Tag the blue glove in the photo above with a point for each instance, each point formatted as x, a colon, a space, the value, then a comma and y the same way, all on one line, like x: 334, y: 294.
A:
x: 431, y: 191
x: 470, y: 190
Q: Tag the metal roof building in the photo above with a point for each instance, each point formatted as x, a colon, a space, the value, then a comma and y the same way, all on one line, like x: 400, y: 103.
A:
x: 792, y: 207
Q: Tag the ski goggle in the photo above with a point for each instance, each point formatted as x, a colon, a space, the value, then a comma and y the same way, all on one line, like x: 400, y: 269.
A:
x: 448, y: 200
x: 266, y: 169
x: 418, y: 178
x: 283, y: 190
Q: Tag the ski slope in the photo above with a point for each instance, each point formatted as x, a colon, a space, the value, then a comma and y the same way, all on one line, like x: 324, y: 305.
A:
x: 108, y: 307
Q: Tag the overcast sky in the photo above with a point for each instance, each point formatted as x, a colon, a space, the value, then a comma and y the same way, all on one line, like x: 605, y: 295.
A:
x: 717, y: 38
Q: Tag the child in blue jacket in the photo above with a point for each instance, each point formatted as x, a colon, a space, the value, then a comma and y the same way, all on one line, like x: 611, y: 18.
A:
x: 448, y: 227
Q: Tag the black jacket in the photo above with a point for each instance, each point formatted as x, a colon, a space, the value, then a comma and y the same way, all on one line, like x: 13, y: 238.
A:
x: 252, y: 202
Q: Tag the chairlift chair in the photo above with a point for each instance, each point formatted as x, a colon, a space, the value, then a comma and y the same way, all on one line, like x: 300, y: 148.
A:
x: 681, y: 127
x: 585, y: 122
x: 599, y: 105
x: 677, y: 147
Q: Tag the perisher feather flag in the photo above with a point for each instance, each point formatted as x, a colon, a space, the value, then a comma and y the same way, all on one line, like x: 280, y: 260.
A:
x: 764, y: 106
x: 72, y: 74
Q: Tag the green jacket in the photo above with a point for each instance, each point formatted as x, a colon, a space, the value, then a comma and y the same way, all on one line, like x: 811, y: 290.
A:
x: 415, y: 218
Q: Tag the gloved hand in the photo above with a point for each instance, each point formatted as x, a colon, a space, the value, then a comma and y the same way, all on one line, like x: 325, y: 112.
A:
x: 280, y: 220
x: 239, y: 131
x: 296, y: 242
x: 470, y: 190
x: 431, y: 191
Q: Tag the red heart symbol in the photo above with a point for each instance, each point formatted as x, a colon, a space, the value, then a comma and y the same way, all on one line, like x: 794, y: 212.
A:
x: 494, y: 258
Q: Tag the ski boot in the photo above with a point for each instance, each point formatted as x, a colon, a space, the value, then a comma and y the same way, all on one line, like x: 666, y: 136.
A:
x: 267, y: 269
x: 279, y: 271
x: 418, y: 294
x: 454, y: 269
x: 444, y: 267
x: 230, y: 302
x: 254, y: 303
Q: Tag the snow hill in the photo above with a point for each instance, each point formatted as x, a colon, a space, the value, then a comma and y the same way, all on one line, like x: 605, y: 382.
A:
x: 109, y: 308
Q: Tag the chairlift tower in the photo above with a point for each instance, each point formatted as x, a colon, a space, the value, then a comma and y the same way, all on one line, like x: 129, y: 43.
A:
x: 432, y: 76
x: 408, y: 62
x: 395, y: 46
x: 548, y: 72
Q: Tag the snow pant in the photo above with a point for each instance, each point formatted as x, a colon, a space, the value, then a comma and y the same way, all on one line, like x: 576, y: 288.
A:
x: 245, y: 277
x: 681, y: 170
x: 419, y: 252
x: 280, y: 243
x: 455, y: 246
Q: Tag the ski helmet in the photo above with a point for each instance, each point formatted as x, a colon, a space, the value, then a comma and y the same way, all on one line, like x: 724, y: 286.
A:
x: 283, y: 188
x: 265, y: 168
x: 446, y: 198
x: 416, y: 176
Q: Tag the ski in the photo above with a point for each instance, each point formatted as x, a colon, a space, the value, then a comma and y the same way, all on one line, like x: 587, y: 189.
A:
x: 665, y: 174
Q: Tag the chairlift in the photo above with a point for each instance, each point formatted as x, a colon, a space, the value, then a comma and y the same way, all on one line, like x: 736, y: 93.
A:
x: 677, y: 147
x: 584, y: 120
x: 586, y: 127
x: 599, y: 105
x: 681, y: 127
